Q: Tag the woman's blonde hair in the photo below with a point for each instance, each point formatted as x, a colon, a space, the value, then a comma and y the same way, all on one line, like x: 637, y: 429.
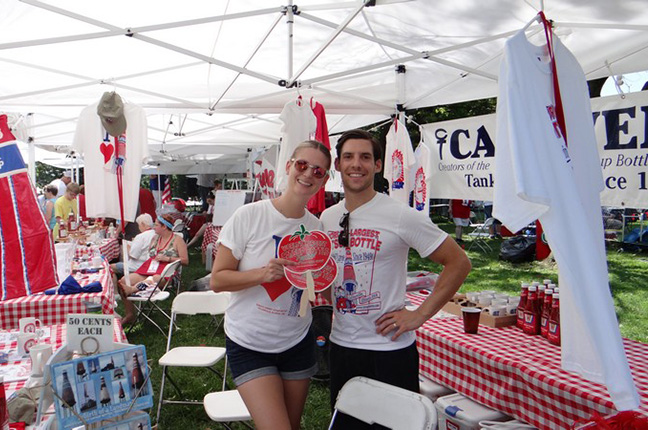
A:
x: 314, y: 144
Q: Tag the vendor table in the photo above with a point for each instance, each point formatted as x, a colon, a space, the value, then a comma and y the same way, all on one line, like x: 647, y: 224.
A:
x: 518, y: 374
x: 109, y: 249
x: 53, y: 309
x: 58, y: 333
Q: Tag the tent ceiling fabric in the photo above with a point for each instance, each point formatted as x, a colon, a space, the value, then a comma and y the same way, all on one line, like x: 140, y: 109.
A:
x: 208, y: 73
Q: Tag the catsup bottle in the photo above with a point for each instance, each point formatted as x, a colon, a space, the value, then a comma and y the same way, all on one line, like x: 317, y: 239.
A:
x: 524, y: 293
x: 541, y: 294
x: 63, y: 232
x: 532, y: 312
x: 546, y: 312
x: 553, y: 334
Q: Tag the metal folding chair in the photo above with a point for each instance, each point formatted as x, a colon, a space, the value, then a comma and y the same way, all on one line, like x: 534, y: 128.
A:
x: 148, y: 304
x: 480, y: 235
x: 192, y: 303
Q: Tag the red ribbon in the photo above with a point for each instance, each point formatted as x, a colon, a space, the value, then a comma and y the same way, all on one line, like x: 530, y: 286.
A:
x: 560, y: 114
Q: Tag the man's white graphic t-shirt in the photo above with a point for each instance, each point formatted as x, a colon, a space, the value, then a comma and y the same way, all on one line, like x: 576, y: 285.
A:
x: 372, y: 271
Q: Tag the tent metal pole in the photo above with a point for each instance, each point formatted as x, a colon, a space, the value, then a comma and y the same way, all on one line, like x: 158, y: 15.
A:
x: 152, y: 41
x: 350, y: 73
x: 31, y: 168
x: 62, y: 39
x: 208, y: 59
x: 93, y: 81
x: 290, y: 20
x: 358, y: 33
x: 325, y: 45
x: 254, y: 52
x: 401, y: 75
x: 206, y: 20
x: 354, y: 97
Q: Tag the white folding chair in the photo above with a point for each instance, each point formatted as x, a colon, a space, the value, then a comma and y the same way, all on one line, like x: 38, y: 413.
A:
x: 226, y: 407
x: 148, y: 304
x: 480, y: 234
x: 375, y: 402
x: 192, y: 303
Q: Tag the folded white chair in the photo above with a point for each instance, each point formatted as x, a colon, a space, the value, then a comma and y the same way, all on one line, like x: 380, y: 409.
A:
x: 375, y: 402
x: 226, y: 407
x: 192, y: 303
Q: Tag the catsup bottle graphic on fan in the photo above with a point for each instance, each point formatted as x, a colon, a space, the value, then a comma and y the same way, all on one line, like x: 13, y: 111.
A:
x: 546, y: 312
x: 532, y: 313
x: 553, y: 335
x: 520, y: 310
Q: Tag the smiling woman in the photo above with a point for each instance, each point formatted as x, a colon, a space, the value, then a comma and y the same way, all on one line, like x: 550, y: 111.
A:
x: 270, y: 349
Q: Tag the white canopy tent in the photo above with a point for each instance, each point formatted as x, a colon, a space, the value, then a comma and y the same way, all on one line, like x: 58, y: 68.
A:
x: 213, y: 76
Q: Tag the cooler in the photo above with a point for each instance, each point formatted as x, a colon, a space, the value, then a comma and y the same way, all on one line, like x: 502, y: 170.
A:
x: 507, y: 425
x: 432, y: 390
x: 457, y: 412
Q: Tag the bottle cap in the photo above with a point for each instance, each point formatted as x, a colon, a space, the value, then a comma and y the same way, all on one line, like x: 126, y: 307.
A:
x: 556, y: 290
x: 556, y: 296
x: 548, y: 291
x: 536, y: 283
x: 546, y: 281
x: 533, y: 288
x: 542, y: 287
x: 525, y: 285
x: 551, y: 286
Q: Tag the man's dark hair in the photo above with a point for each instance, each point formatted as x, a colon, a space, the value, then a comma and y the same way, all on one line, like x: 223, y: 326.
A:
x: 359, y: 134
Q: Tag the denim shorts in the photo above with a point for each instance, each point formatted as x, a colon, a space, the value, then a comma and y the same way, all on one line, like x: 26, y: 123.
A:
x: 298, y: 362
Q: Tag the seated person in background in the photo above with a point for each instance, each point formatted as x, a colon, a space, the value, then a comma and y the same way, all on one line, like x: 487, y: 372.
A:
x: 494, y: 230
x: 165, y: 247
x: 138, y: 250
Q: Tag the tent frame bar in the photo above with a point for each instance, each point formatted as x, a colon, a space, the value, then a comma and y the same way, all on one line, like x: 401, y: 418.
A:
x: 326, y: 43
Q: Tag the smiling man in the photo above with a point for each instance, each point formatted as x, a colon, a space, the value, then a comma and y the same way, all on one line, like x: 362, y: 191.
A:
x: 373, y: 334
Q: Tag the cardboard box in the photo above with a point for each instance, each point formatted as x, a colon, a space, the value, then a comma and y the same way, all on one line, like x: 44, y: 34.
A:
x: 454, y: 307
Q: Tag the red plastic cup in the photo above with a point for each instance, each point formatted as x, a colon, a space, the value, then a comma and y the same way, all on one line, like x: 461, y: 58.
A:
x: 470, y: 317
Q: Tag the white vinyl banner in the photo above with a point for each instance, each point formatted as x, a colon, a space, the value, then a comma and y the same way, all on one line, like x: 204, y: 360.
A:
x: 463, y: 153
x: 463, y: 156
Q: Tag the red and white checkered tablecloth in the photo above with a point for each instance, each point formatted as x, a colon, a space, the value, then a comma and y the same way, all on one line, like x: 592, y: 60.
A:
x: 518, y: 374
x: 57, y: 337
x: 210, y: 236
x: 52, y: 309
x: 109, y: 248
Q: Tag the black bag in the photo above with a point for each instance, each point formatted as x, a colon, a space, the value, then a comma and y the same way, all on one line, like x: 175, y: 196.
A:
x: 321, y: 327
x: 518, y: 249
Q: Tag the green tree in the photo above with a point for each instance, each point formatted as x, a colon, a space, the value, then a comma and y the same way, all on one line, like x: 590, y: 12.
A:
x: 46, y: 174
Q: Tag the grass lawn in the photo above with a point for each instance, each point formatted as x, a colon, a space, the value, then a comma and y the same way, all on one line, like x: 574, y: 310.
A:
x: 628, y: 282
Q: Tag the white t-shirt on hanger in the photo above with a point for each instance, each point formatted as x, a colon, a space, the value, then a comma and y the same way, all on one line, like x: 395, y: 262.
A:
x: 300, y: 124
x: 538, y: 177
x: 399, y: 159
x: 98, y: 151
